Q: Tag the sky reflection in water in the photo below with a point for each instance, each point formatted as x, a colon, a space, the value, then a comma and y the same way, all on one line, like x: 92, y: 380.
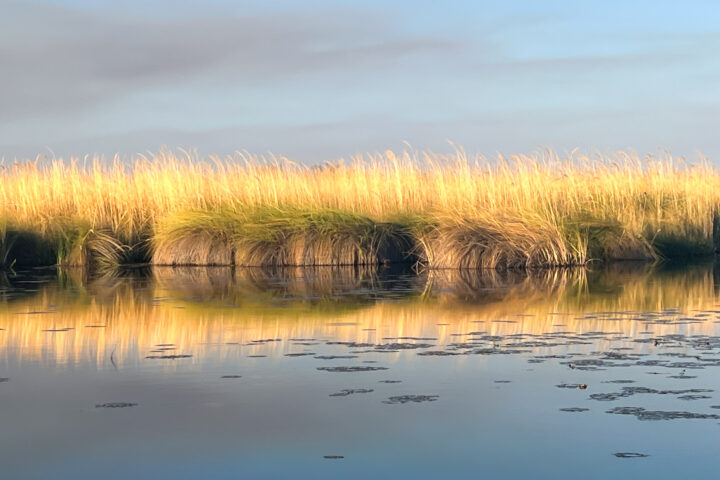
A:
x: 221, y: 373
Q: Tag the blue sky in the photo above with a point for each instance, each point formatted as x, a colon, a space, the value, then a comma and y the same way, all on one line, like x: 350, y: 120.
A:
x: 316, y: 80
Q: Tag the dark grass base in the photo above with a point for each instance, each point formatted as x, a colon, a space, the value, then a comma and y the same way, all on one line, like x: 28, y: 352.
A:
x: 353, y: 241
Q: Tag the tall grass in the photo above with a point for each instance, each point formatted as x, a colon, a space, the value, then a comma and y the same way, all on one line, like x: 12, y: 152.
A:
x: 510, y: 212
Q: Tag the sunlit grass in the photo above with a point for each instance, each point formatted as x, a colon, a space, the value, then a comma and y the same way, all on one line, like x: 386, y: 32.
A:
x: 509, y: 212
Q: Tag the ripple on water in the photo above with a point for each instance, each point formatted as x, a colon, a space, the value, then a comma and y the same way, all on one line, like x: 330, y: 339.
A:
x: 116, y: 405
x: 630, y: 455
x: 642, y: 414
x: 351, y: 391
x: 351, y: 369
x: 403, y: 399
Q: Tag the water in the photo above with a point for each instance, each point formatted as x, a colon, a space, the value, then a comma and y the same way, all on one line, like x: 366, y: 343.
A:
x: 322, y: 373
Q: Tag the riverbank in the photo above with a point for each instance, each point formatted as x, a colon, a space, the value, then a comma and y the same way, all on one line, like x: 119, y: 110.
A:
x: 437, y: 211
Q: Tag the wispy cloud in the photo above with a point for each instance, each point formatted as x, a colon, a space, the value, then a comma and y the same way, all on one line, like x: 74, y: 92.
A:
x: 56, y: 58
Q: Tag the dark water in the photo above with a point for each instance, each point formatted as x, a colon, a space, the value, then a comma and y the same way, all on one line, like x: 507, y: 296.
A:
x: 342, y: 374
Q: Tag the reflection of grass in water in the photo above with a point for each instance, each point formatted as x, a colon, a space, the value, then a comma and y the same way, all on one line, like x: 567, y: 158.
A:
x: 620, y: 287
x: 289, y: 291
x: 643, y: 288
x: 135, y: 319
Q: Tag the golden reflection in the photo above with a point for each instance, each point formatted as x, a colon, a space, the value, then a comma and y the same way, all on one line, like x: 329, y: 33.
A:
x: 117, y: 320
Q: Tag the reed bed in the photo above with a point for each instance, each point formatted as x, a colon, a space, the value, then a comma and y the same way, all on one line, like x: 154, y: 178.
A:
x: 442, y: 211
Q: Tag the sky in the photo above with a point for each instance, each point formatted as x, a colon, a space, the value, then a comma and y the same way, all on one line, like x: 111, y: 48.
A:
x: 316, y: 80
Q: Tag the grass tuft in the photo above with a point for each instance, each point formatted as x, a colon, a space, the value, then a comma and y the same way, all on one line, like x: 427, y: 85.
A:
x: 274, y: 236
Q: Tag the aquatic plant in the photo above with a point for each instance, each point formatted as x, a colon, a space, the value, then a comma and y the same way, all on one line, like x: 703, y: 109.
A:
x: 445, y: 211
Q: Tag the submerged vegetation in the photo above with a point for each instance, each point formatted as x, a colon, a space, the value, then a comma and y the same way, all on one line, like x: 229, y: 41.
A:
x: 441, y: 211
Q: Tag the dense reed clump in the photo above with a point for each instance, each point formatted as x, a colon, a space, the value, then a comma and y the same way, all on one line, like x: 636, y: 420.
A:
x: 277, y: 236
x: 445, y: 211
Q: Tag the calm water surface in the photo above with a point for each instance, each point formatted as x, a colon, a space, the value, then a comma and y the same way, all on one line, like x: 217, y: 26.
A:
x: 214, y: 373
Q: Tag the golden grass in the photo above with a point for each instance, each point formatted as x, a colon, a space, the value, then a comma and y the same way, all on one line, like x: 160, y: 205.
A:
x: 520, y: 211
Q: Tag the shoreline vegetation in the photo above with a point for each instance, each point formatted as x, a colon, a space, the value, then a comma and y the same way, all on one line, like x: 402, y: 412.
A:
x: 437, y: 211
